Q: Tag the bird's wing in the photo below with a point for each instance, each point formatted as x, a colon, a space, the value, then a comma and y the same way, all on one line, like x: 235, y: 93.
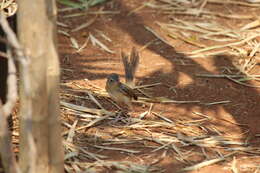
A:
x: 127, y: 91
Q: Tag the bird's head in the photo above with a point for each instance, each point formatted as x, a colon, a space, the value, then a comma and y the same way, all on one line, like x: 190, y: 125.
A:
x: 113, y: 79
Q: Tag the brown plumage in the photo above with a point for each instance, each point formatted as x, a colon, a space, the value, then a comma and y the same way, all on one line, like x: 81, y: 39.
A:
x: 120, y: 92
x: 123, y: 93
x: 130, y: 65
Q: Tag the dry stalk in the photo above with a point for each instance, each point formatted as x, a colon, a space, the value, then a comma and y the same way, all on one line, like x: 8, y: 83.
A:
x: 207, y: 163
x: 164, y: 133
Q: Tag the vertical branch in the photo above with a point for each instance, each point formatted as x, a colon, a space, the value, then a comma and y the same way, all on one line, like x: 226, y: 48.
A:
x: 12, y: 92
x: 53, y: 80
x: 6, y: 149
x: 12, y: 86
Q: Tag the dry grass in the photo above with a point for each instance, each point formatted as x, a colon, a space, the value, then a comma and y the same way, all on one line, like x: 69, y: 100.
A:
x: 119, y: 132
x: 204, y: 30
x: 91, y: 132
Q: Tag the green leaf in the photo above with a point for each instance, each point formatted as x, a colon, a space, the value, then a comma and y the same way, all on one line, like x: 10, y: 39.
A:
x: 80, y: 3
x: 95, y: 2
x: 71, y: 3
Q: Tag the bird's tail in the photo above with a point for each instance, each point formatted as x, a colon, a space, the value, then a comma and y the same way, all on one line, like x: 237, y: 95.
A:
x: 130, y: 66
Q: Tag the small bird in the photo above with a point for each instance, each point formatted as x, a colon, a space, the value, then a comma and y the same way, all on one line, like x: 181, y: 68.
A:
x: 123, y: 93
x: 120, y: 92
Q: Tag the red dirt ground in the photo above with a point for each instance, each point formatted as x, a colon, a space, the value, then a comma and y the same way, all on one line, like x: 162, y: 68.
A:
x: 161, y: 63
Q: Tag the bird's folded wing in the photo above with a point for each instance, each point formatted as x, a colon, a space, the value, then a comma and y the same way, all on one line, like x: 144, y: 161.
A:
x: 128, y: 91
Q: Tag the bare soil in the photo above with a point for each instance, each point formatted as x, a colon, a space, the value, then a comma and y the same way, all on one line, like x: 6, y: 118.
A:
x: 159, y: 63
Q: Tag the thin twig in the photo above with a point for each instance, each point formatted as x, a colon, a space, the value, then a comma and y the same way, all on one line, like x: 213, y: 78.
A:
x: 241, y: 83
x: 12, y: 86
x: 157, y: 35
x: 226, y: 75
x: 207, y: 163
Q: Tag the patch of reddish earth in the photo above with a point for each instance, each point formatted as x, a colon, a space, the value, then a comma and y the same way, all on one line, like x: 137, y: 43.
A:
x: 162, y: 63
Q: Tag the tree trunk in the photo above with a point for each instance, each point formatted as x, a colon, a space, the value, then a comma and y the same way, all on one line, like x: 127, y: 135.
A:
x: 53, y: 83
x: 37, y: 32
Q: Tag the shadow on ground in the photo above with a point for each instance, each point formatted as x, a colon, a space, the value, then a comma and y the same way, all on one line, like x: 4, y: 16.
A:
x: 244, y: 104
